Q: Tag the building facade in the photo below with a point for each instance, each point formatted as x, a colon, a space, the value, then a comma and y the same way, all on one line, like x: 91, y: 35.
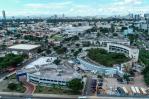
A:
x: 129, y: 51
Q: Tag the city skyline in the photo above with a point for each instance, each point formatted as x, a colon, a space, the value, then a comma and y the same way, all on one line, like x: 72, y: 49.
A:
x: 73, y: 7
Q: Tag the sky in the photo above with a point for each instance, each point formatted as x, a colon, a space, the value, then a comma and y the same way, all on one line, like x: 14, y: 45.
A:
x: 73, y: 7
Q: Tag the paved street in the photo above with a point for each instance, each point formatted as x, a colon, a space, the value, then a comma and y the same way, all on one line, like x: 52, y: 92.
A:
x: 87, y: 90
x: 112, y: 97
x: 25, y: 97
x: 66, y: 97
x: 11, y: 95
x: 6, y: 75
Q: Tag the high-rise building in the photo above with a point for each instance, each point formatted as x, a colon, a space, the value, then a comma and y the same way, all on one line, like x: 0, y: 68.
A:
x: 148, y: 24
x: 137, y: 17
x: 63, y: 16
x: 146, y: 15
x: 131, y: 16
x: 4, y: 15
x: 147, y: 20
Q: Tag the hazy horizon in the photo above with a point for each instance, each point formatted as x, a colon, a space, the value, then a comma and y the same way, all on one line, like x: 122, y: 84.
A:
x: 73, y: 7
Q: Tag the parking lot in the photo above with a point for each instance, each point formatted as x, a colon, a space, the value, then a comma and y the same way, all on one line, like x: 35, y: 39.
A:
x: 110, y: 85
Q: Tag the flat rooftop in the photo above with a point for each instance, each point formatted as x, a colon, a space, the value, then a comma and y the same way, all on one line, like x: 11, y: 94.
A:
x: 41, y: 62
x: 46, y: 69
x: 56, y: 74
x: 24, y: 47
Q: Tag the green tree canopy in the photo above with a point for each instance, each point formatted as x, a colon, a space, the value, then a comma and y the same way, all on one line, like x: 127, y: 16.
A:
x: 75, y: 84
x: 108, y: 59
x: 12, y: 86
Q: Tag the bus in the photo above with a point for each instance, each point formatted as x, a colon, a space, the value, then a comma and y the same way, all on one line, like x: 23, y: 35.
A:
x: 137, y: 90
x: 133, y: 90
x: 125, y: 90
x: 143, y: 91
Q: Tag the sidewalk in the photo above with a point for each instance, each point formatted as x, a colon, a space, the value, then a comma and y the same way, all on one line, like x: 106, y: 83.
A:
x: 7, y: 76
x: 40, y: 95
x: 30, y: 88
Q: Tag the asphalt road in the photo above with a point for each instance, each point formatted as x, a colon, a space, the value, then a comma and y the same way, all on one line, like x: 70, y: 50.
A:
x: 35, y: 97
x: 23, y: 97
x: 87, y: 90
x: 64, y: 97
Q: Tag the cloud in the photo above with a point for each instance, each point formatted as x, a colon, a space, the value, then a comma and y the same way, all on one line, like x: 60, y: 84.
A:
x: 72, y: 8
x: 48, y: 6
x: 128, y: 2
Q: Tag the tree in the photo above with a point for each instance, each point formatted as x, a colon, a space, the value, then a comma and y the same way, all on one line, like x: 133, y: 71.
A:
x: 86, y: 44
x: 76, y: 53
x: 80, y: 49
x: 144, y: 57
x: 115, y: 34
x: 17, y: 36
x: 48, y: 51
x: 100, y: 76
x: 132, y: 37
x: 112, y: 28
x: 3, y: 47
x: 126, y: 77
x: 146, y: 78
x: 75, y: 85
x: 10, y: 60
x: 60, y: 50
x: 105, y: 58
x: 57, y: 61
x: 104, y: 30
x: 12, y: 86
x: 77, y: 45
x: 98, y: 34
x: 124, y: 28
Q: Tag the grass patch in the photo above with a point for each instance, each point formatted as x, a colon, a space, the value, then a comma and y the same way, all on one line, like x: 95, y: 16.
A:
x: 54, y: 90
x: 12, y: 77
x: 57, y: 37
x: 16, y: 87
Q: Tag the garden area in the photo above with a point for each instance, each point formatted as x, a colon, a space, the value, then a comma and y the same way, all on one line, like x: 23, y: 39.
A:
x: 105, y: 58
x: 73, y: 87
x: 10, y: 84
x: 54, y: 89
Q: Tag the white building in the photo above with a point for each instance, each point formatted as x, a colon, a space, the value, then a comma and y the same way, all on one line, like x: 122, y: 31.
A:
x: 53, y: 76
x: 104, y: 41
x: 87, y: 66
x: 129, y: 51
x: 44, y: 72
x: 24, y: 48
x: 75, y: 30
